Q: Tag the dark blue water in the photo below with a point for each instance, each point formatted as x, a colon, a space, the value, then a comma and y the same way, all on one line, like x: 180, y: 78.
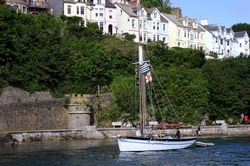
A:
x: 227, y: 151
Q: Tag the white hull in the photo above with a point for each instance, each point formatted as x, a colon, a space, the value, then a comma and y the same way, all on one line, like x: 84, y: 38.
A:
x: 135, y: 144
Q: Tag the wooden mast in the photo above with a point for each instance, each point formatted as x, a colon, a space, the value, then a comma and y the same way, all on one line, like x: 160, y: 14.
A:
x: 142, y: 76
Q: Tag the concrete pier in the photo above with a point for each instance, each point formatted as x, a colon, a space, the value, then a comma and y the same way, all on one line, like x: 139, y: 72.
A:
x: 90, y: 132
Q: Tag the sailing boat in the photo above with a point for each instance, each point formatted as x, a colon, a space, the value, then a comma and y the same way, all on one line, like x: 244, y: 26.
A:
x: 144, y: 142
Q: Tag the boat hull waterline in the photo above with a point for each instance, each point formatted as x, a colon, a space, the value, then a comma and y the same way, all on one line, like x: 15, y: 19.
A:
x: 149, y: 144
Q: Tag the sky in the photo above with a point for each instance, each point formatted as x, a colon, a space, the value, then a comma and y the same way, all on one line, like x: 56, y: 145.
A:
x: 223, y: 12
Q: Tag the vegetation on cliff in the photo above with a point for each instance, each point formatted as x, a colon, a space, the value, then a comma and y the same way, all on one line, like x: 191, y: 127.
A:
x: 41, y: 52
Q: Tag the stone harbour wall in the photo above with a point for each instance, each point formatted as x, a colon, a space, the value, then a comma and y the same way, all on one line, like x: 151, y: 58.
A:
x: 88, y: 132
x: 41, y: 115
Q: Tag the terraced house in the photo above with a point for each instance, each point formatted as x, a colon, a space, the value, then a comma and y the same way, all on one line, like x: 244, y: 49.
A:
x: 101, y: 12
x: 184, y: 32
x: 226, y: 42
x: 28, y: 6
x: 117, y: 17
x: 139, y: 20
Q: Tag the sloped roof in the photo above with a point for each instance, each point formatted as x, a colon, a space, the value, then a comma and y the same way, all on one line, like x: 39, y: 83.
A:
x: 239, y: 34
x: 163, y: 19
x: 150, y: 10
x: 228, y: 30
x: 127, y: 8
x: 211, y: 27
x: 109, y: 4
x: 172, y: 18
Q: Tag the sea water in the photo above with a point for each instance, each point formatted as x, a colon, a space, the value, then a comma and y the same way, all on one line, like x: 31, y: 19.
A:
x: 226, y: 151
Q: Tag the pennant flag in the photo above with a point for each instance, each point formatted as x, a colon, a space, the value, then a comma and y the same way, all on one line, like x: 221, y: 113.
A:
x: 148, y: 77
x: 144, y: 68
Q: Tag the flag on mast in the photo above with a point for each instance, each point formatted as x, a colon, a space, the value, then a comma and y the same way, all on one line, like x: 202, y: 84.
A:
x: 148, y: 77
x: 144, y: 68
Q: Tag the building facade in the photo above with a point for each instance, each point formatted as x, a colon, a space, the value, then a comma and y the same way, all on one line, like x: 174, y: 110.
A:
x: 184, y: 32
x: 226, y: 42
x: 145, y: 24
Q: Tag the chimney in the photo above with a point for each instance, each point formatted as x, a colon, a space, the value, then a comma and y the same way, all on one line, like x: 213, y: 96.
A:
x: 133, y: 3
x: 204, y: 22
x: 177, y: 12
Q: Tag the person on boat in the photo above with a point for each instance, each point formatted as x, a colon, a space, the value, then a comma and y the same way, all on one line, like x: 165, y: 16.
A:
x: 198, y: 131
x: 138, y: 130
x: 178, y: 133
x: 241, y: 118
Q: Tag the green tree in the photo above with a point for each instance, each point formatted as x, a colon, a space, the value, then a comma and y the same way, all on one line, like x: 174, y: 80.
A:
x: 228, y: 83
x: 241, y: 27
x: 187, y: 92
x: 162, y: 5
x: 123, y: 99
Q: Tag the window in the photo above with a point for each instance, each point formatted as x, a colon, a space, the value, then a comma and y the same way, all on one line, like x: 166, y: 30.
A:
x: 96, y: 12
x: 228, y: 42
x: 140, y: 37
x: 69, y: 9
x: 158, y: 25
x: 164, y: 27
x: 153, y: 25
x: 110, y: 14
x: 240, y: 45
x: 163, y: 39
x: 142, y: 13
x: 133, y: 23
x: 101, y: 13
x: 221, y: 41
x: 99, y: 1
x: 82, y: 10
x: 153, y: 37
x: 155, y: 15
x: 158, y: 37
x: 77, y: 10
x: 185, y: 34
x: 192, y: 36
x: 144, y: 24
x: 140, y: 23
x: 144, y: 37
x: 101, y: 26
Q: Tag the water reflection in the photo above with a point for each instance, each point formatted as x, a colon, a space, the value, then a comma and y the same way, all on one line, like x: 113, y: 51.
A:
x: 227, y: 151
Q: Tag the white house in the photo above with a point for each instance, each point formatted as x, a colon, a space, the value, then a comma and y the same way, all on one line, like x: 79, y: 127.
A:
x: 184, y: 32
x: 243, y: 43
x: 157, y: 28
x: 151, y: 26
x: 209, y: 40
x: 104, y: 14
x: 77, y: 8
x: 220, y: 39
x: 226, y: 42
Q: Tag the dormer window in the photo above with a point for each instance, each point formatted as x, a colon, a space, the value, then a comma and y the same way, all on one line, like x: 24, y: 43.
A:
x: 142, y: 13
x: 99, y: 1
x: 155, y: 15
